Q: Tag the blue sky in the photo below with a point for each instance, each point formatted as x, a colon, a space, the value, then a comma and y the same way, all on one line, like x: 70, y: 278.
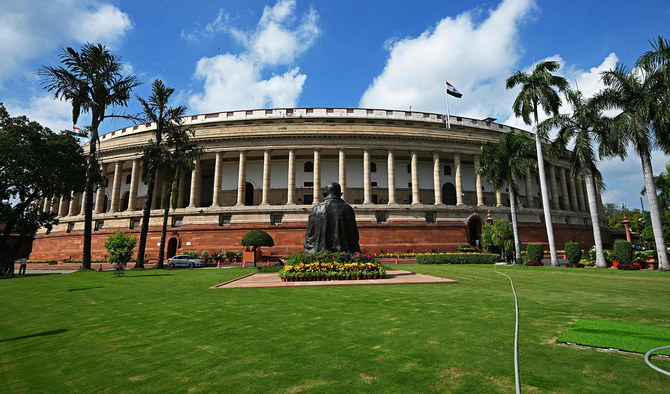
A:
x: 239, y: 54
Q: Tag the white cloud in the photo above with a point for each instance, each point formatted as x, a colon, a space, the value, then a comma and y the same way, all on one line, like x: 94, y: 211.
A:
x: 31, y: 28
x: 234, y: 81
x: 474, y: 57
x: 44, y: 109
x: 217, y: 25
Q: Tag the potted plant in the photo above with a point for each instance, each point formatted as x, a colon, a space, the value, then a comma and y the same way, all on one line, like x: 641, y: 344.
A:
x: 573, y: 253
x: 623, y: 253
x: 205, y: 256
x: 238, y: 256
x: 255, y: 239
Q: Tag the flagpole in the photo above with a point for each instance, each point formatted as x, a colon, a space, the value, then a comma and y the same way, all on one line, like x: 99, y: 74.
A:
x: 448, y: 121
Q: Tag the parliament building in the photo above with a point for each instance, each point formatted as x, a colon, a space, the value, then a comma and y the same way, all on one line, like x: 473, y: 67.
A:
x: 413, y: 183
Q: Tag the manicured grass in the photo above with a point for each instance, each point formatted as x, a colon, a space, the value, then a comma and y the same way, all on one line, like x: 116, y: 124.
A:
x: 156, y: 331
x: 623, y: 336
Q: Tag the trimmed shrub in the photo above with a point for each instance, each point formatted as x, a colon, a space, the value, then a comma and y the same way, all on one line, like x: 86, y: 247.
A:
x: 535, y: 252
x: 457, y: 258
x: 573, y: 252
x: 257, y: 238
x: 465, y: 248
x: 623, y: 251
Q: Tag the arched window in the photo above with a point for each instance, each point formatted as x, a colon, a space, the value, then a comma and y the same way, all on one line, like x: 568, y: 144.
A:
x: 309, y: 166
x: 449, y: 194
x: 249, y: 194
x: 128, y: 178
x: 373, y: 166
x: 447, y: 170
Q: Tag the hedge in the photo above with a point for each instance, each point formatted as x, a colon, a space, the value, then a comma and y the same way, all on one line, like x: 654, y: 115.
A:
x: 457, y: 258
x: 573, y: 252
x: 623, y: 251
x: 535, y: 252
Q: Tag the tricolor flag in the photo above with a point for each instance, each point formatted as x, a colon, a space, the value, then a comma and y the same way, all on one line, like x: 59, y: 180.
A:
x: 79, y: 132
x: 453, y: 91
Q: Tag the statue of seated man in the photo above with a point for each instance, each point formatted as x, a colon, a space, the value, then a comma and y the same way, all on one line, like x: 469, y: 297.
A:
x: 332, y: 224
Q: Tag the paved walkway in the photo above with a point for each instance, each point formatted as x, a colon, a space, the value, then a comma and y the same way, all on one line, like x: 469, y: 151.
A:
x: 393, y: 277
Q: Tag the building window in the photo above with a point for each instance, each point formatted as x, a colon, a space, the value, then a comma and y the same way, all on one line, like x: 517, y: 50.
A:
x: 70, y: 227
x: 381, y: 217
x: 308, y: 199
x: 224, y: 220
x: 409, y: 184
x: 447, y: 170
x: 99, y: 224
x: 409, y: 168
x: 308, y: 184
x: 308, y: 167
x: 177, y: 221
x: 276, y: 218
x: 329, y: 110
x: 430, y: 217
x: 373, y: 166
x: 128, y: 179
x: 135, y: 223
x: 310, y: 110
x: 375, y: 199
x: 373, y: 184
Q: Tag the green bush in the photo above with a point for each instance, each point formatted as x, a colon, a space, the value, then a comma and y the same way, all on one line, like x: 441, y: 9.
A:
x: 120, y: 248
x: 573, y: 252
x: 623, y: 251
x: 257, y: 238
x: 535, y: 252
x: 465, y: 248
x: 457, y: 258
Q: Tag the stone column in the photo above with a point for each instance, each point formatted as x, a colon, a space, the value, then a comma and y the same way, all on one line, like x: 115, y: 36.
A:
x: 100, y: 195
x: 46, y: 204
x: 459, y: 186
x: 317, y: 176
x: 134, y: 181
x: 343, y: 170
x: 72, y: 211
x: 554, y: 187
x: 266, y: 176
x: 437, y: 182
x: 391, y: 178
x: 55, y: 205
x: 573, y: 195
x: 564, y: 189
x: 195, y: 185
x: 367, y: 192
x: 62, y: 206
x: 164, y: 189
x: 290, y: 200
x: 82, y: 205
x: 529, y: 189
x: 416, y: 197
x: 216, y: 193
x: 116, y: 187
x: 241, y: 178
x: 580, y: 196
x: 181, y: 186
x: 499, y: 198
x: 478, y: 182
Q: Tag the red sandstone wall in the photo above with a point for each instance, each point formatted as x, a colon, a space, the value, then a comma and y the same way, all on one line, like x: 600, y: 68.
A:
x: 388, y: 237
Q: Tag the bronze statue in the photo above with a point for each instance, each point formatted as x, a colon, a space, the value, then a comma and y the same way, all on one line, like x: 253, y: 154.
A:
x: 332, y: 224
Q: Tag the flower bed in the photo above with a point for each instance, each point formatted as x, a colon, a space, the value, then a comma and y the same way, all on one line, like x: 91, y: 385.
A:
x: 332, y: 266
x: 457, y: 258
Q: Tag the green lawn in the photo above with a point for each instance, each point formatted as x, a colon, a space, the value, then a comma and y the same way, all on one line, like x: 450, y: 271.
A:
x: 167, y: 331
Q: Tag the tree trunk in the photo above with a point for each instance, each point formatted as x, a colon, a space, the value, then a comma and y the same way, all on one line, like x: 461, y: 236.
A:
x: 88, y: 203
x: 654, y: 212
x: 595, y: 216
x: 166, y: 212
x: 146, y: 214
x: 515, y: 227
x: 545, y: 196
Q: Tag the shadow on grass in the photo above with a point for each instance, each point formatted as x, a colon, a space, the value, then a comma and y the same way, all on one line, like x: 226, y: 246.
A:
x: 139, y: 276
x: 39, y: 334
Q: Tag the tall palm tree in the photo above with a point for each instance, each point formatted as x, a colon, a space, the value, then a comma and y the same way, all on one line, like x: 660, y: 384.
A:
x: 91, y: 80
x: 157, y: 111
x: 503, y: 163
x: 179, y: 157
x: 641, y: 95
x: 585, y: 128
x: 537, y: 91
x: 662, y: 183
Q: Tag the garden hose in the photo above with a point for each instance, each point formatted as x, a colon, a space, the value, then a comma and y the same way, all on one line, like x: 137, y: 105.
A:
x: 648, y: 355
x: 516, y: 332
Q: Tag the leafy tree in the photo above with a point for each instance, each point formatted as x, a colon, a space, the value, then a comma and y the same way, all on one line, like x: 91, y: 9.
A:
x: 498, y: 237
x: 537, y: 91
x: 584, y: 128
x: 662, y: 184
x: 120, y: 248
x: 503, y: 163
x: 257, y: 238
x: 157, y: 111
x: 35, y: 164
x: 91, y: 80
x: 642, y: 96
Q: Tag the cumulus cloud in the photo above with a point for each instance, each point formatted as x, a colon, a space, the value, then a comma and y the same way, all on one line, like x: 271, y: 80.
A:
x: 44, y: 109
x: 31, y: 28
x: 233, y: 81
x: 474, y: 57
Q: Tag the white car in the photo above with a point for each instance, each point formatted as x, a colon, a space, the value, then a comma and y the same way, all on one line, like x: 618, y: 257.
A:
x: 184, y: 261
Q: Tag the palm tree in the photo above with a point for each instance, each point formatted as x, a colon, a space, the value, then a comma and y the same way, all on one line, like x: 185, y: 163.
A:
x: 91, y: 80
x: 662, y: 183
x: 585, y: 127
x: 641, y: 95
x: 179, y: 158
x: 503, y: 163
x: 537, y: 90
x: 165, y: 118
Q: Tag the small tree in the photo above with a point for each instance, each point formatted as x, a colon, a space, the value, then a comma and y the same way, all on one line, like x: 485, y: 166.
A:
x: 534, y: 252
x: 498, y: 237
x: 623, y: 251
x: 256, y: 239
x: 120, y: 248
x: 573, y: 252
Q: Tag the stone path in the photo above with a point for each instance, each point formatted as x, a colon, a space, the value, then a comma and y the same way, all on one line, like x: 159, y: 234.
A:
x: 393, y: 277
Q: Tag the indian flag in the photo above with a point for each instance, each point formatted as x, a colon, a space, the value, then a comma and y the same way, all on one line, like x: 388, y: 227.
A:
x: 79, y: 132
x: 453, y: 91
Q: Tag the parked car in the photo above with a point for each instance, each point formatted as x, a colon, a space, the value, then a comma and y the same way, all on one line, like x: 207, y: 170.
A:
x: 184, y: 261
